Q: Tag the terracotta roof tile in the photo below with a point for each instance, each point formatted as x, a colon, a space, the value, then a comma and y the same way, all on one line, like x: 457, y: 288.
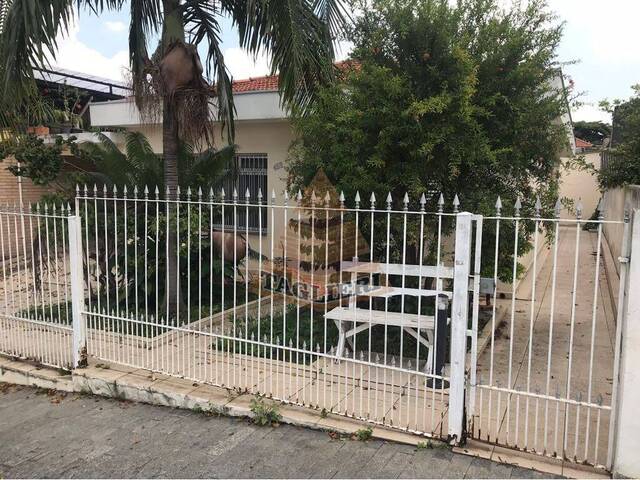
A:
x: 270, y: 82
x: 580, y: 143
x: 266, y: 83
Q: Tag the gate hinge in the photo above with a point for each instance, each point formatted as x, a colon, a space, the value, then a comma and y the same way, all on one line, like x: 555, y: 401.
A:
x: 623, y: 259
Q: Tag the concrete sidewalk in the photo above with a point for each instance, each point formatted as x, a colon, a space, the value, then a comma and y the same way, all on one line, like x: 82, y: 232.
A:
x: 52, y: 434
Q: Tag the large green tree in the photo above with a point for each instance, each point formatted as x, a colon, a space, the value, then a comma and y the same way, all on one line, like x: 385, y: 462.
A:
x: 442, y: 98
x: 623, y: 167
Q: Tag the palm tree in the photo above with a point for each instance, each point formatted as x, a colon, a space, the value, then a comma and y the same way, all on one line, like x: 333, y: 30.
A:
x: 296, y: 34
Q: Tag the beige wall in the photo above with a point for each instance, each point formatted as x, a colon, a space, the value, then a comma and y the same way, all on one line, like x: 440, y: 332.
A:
x: 616, y: 201
x: 581, y: 185
x: 272, y: 137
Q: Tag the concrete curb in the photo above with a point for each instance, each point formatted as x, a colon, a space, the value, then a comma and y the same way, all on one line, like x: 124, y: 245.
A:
x: 137, y: 385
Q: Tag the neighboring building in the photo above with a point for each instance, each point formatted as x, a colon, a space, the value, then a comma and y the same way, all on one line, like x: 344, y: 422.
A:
x: 14, y: 189
x: 583, y: 145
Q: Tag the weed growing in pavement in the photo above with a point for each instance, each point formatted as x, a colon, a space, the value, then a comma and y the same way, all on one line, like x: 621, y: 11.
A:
x: 263, y: 413
x: 363, y: 434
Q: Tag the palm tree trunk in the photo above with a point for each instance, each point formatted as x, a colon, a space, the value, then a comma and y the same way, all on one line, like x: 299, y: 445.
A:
x: 170, y: 153
x: 172, y: 29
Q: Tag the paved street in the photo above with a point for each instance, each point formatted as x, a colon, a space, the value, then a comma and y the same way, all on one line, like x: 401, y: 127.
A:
x: 48, y: 434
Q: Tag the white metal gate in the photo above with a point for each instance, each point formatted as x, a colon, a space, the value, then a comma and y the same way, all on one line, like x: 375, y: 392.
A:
x: 543, y: 379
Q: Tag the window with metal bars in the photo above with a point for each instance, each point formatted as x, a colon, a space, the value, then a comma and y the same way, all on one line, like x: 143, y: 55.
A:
x: 252, y: 175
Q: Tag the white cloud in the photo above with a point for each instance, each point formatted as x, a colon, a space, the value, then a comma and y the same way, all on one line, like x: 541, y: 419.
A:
x: 242, y: 65
x: 603, y: 31
x: 115, y: 26
x: 590, y: 113
x: 75, y: 55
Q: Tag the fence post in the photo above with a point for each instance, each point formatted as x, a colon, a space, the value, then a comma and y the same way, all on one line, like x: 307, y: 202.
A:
x: 77, y: 293
x: 626, y: 424
x: 459, y: 315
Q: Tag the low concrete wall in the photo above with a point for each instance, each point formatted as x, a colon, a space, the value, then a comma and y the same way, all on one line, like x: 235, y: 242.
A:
x: 615, y: 203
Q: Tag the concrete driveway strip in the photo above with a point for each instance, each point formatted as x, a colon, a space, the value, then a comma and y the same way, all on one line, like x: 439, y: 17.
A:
x: 49, y: 434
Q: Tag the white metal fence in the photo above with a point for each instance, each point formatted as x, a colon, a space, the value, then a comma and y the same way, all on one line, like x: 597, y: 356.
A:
x: 35, y: 317
x: 407, y: 316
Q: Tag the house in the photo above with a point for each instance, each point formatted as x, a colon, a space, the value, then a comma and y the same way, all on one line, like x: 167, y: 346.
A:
x: 263, y: 134
x: 583, y: 145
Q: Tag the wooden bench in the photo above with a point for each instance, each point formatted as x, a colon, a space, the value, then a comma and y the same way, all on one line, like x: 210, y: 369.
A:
x: 352, y: 320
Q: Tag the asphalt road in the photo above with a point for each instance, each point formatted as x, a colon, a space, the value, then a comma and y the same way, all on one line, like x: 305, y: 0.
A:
x: 48, y: 434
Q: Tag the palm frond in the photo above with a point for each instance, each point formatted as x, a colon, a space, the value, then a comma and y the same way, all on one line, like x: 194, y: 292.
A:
x: 294, y: 33
x: 207, y: 168
x: 29, y: 38
x: 202, y: 23
x: 146, y: 18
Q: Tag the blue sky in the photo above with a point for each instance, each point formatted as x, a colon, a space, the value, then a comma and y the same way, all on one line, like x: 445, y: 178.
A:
x: 602, y: 36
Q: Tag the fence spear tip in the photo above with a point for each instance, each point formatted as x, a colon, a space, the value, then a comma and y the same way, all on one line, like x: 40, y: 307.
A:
x: 77, y: 188
x: 538, y: 206
x: 327, y: 197
x: 235, y: 193
x: 372, y: 198
x: 357, y: 199
x: 115, y: 188
x: 498, y: 203
x: 247, y: 193
x: 423, y: 199
x: 199, y: 191
x: 405, y: 200
x: 389, y: 199
x: 299, y: 195
x: 441, y: 200
x: 222, y: 194
x: 273, y: 193
x: 95, y: 188
x: 260, y: 193
x: 518, y: 203
x: 342, y: 198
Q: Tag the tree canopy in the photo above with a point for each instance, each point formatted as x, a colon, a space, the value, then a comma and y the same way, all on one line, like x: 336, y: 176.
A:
x: 442, y: 98
x: 623, y: 167
x: 454, y: 99
x: 592, y: 132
